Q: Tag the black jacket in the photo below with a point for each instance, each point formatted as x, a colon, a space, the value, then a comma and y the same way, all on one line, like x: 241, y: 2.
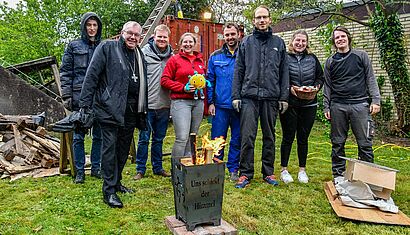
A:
x: 304, y: 72
x: 76, y: 58
x: 107, y: 80
x: 261, y: 69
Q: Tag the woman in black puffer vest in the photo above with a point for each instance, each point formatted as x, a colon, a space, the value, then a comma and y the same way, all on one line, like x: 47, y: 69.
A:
x: 306, y: 72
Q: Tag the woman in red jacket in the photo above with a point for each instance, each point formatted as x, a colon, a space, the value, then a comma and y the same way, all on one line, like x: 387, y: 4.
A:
x: 186, y: 111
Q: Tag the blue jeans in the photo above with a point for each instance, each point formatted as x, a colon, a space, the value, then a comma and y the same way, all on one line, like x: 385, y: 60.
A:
x: 223, y: 119
x: 79, y: 153
x: 157, y: 125
x: 186, y: 117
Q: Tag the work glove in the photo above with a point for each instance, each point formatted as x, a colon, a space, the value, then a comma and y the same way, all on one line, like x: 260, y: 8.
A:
x: 86, y: 118
x: 283, y: 106
x: 67, y: 103
x: 236, y: 104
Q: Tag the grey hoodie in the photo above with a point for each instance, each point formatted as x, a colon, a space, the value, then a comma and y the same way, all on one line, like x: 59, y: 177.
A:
x: 158, y: 97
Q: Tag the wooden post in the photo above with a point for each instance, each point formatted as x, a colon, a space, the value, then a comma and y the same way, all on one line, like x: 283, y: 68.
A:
x: 192, y: 139
x: 132, y: 152
x: 66, y: 139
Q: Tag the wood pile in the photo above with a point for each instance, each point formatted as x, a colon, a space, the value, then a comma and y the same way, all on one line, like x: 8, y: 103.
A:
x: 26, y: 149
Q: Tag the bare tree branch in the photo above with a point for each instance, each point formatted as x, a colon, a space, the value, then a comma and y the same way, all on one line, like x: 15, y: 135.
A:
x: 347, y: 17
x: 323, y: 22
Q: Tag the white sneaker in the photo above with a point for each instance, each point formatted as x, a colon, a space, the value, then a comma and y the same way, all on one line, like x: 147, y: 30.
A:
x: 302, y: 177
x: 286, y: 177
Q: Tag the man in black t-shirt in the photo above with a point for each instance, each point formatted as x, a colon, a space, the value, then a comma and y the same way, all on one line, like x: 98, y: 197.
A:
x: 351, y: 96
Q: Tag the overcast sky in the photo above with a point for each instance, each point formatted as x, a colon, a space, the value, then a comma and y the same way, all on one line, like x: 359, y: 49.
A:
x: 11, y: 3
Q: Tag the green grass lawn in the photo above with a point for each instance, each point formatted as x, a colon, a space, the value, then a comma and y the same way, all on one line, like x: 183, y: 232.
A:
x: 57, y: 206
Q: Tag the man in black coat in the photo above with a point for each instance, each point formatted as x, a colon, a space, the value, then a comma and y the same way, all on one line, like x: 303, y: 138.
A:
x: 116, y: 78
x: 260, y: 90
x: 76, y: 59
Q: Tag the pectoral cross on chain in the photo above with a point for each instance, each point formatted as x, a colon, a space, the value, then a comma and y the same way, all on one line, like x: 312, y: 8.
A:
x: 135, y: 78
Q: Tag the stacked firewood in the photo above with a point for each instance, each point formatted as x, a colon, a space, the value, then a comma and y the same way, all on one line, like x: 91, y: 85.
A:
x: 26, y: 149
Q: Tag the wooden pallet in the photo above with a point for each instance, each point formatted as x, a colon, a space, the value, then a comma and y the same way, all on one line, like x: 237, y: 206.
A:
x: 367, y: 215
x: 178, y: 227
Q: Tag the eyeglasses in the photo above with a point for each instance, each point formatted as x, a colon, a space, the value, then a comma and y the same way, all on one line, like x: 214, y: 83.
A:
x: 261, y: 17
x: 133, y: 34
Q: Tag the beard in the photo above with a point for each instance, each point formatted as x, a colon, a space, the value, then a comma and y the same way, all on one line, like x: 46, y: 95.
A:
x: 232, y: 43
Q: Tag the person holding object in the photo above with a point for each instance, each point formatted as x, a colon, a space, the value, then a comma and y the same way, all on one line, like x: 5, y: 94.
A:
x: 76, y: 59
x: 305, y: 72
x: 156, y: 52
x: 351, y: 96
x: 117, y: 79
x: 186, y: 111
x: 220, y: 74
x: 260, y: 89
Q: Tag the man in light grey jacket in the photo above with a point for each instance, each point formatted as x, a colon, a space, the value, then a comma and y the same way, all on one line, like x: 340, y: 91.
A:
x: 156, y: 53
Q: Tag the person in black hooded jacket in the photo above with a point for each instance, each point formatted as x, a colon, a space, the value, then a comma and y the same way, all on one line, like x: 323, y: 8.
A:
x: 260, y: 89
x: 304, y: 71
x: 117, y: 81
x: 76, y: 58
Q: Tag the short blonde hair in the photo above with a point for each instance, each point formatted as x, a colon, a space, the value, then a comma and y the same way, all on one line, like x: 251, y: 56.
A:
x: 261, y: 7
x: 162, y: 27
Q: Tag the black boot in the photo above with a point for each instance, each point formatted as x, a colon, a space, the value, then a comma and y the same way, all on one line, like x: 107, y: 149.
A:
x: 96, y: 174
x: 79, y: 178
x: 113, y: 201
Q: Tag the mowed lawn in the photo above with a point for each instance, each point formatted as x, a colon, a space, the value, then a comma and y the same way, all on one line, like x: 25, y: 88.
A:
x: 57, y: 206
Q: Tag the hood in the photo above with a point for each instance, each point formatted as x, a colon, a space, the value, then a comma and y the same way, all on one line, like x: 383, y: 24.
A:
x: 263, y: 35
x: 84, y: 35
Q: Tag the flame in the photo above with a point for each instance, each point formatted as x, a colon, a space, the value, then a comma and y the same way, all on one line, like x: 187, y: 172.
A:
x: 200, y: 160
x: 216, y: 145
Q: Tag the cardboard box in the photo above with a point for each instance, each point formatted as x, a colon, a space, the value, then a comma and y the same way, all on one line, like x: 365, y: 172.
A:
x: 381, y: 179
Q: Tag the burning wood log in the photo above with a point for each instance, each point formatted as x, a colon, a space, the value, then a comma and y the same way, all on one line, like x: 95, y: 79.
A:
x: 216, y: 145
x: 210, y: 148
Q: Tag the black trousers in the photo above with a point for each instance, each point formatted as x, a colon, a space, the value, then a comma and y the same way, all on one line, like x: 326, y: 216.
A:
x: 296, y: 121
x: 358, y: 117
x: 251, y: 111
x: 116, y: 141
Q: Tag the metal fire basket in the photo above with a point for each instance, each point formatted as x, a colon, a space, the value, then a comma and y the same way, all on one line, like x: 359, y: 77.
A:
x: 198, y: 192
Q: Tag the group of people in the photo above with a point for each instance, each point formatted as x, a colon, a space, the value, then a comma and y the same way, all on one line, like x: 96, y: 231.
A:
x: 252, y: 78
